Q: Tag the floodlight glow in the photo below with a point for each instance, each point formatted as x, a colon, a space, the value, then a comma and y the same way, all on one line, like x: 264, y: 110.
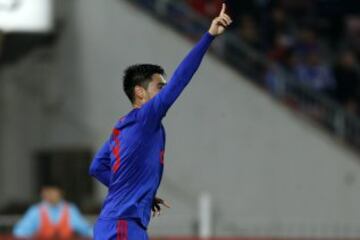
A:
x: 26, y: 15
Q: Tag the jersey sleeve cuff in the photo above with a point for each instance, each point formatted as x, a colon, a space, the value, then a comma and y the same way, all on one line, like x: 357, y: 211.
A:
x: 209, y: 36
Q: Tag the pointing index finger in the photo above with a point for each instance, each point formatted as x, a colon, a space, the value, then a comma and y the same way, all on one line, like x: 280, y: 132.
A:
x: 223, y: 9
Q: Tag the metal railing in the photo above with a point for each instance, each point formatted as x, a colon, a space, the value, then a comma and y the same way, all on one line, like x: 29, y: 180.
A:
x: 320, y: 108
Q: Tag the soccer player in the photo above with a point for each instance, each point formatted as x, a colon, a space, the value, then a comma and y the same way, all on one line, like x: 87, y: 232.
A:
x: 130, y: 163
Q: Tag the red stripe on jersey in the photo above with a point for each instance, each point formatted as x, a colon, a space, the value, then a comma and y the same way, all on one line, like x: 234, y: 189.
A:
x: 125, y: 230
x: 118, y: 231
x: 116, y: 150
x: 162, y: 153
x: 122, y: 230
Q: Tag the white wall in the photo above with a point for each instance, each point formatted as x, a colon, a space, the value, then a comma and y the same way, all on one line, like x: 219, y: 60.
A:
x: 269, y: 171
x: 32, y: 115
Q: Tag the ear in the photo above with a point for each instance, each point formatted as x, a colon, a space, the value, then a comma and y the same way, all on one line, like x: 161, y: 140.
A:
x: 139, y: 92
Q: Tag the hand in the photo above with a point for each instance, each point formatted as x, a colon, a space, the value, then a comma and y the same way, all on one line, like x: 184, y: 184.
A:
x: 220, y: 23
x: 156, y: 208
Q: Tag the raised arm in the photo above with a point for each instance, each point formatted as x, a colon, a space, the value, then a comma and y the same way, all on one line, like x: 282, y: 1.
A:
x: 154, y: 110
x: 100, y: 165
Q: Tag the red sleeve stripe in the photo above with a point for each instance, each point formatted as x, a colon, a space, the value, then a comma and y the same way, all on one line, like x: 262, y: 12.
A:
x: 116, y: 150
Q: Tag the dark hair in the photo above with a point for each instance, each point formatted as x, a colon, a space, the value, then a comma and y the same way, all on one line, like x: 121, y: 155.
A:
x: 51, y: 184
x: 139, y: 75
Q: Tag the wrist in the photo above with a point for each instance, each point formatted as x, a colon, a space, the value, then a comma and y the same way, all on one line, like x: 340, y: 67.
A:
x: 210, y: 34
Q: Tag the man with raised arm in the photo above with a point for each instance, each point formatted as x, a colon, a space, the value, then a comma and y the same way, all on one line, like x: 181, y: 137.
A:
x: 130, y: 163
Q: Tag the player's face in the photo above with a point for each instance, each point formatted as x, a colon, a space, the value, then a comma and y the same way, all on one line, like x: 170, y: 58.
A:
x: 156, y: 84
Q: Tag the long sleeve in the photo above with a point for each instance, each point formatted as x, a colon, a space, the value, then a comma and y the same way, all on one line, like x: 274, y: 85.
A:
x: 28, y: 224
x: 154, y: 110
x: 100, y: 166
x: 79, y: 223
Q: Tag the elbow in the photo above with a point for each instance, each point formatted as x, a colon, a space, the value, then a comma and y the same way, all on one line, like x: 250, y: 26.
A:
x: 92, y: 170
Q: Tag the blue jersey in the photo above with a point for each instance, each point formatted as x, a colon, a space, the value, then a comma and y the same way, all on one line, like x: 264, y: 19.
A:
x: 130, y: 163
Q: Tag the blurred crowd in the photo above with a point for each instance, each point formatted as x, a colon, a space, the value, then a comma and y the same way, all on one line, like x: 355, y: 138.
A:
x: 315, y: 42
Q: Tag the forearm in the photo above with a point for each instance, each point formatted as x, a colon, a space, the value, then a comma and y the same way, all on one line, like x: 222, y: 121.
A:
x: 191, y: 63
x: 23, y: 231
x: 154, y: 110
x: 185, y: 71
x: 100, y: 165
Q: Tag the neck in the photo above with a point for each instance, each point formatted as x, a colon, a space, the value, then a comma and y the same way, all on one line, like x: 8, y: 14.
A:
x: 54, y: 204
x: 136, y: 105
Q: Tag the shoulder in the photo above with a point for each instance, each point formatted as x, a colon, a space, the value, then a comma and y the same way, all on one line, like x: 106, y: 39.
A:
x: 35, y: 207
x: 71, y: 206
x: 73, y: 209
x: 33, y: 211
x: 126, y: 120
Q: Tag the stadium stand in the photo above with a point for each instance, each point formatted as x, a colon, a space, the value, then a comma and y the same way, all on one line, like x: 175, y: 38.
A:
x: 304, y: 53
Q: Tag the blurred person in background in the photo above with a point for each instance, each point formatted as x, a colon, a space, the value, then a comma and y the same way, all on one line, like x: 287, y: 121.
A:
x: 276, y: 23
x: 307, y: 43
x: 315, y: 74
x: 353, y: 34
x: 279, y: 70
x: 347, y: 81
x: 248, y: 32
x: 52, y: 218
x: 282, y: 46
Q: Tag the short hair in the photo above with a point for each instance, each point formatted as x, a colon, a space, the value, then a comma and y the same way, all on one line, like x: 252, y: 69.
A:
x: 139, y: 75
x: 52, y: 184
